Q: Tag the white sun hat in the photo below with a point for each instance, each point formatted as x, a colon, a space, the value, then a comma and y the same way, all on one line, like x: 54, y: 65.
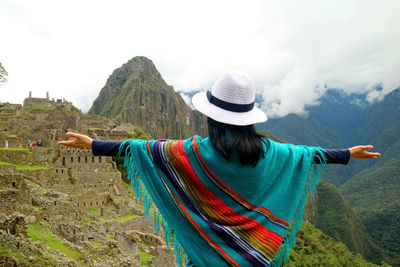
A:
x: 231, y: 101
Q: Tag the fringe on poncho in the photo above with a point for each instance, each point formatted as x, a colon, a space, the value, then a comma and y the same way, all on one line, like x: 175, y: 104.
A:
x: 218, y: 212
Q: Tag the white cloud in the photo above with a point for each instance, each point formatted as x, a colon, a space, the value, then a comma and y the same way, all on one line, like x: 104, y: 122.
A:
x: 289, y: 47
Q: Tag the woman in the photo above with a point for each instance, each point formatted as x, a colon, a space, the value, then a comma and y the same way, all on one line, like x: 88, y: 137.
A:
x: 233, y: 199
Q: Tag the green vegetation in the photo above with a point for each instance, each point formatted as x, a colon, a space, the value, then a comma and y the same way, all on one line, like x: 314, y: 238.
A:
x: 4, y: 116
x: 109, y: 237
x: 16, y: 148
x: 3, y: 74
x: 38, y: 187
x: 38, y: 233
x: 374, y: 194
x: 138, y: 133
x: 96, y: 244
x: 27, y: 167
x: 127, y: 218
x: 74, y: 109
x: 313, y: 248
x: 94, y: 210
x: 45, y: 259
x: 43, y: 109
x: 144, y: 258
x: 335, y: 218
x: 3, y: 250
x: 37, y: 208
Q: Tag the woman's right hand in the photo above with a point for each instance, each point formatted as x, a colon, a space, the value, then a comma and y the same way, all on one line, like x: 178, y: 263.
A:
x: 80, y: 141
x: 360, y: 152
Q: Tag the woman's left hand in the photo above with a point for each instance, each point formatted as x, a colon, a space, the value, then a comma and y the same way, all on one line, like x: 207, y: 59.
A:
x: 360, y: 152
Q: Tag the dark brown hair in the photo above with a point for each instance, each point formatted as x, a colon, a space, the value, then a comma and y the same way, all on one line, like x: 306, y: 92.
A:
x: 243, y: 139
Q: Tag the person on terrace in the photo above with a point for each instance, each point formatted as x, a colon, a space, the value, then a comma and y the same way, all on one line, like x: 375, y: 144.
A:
x: 234, y: 198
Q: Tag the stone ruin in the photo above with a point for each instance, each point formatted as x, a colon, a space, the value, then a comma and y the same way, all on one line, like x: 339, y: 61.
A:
x: 79, y: 198
x: 46, y: 102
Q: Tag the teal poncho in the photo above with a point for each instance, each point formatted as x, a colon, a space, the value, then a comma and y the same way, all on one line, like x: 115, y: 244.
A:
x: 218, y: 212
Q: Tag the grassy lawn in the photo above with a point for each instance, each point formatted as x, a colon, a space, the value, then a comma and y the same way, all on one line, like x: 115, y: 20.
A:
x: 37, y: 233
x: 109, y: 237
x: 94, y: 210
x: 27, y: 167
x: 3, y: 250
x: 38, y: 187
x: 37, y: 109
x: 144, y: 258
x: 16, y: 148
x: 127, y: 218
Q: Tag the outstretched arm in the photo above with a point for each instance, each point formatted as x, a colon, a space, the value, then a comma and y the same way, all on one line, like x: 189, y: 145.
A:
x: 342, y: 156
x: 99, y: 147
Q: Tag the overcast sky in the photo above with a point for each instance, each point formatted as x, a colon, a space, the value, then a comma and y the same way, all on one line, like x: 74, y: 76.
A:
x: 291, y: 48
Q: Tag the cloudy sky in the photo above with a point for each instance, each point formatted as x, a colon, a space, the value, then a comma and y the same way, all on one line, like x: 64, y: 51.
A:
x: 291, y: 48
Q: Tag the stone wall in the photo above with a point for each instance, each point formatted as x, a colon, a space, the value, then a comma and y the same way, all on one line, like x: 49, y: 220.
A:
x: 77, y: 188
x: 46, y: 102
x: 90, y: 199
x: 93, y: 178
x: 36, y: 102
x: 17, y: 156
x: 14, y: 192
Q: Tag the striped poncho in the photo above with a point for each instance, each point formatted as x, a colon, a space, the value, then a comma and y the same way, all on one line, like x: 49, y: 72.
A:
x: 218, y: 212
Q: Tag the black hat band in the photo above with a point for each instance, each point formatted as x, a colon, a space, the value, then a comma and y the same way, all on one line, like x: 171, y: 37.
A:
x: 229, y: 106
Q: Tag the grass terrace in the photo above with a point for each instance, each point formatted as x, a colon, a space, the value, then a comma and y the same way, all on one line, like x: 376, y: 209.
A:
x: 46, y: 109
x: 27, y: 167
x: 16, y: 148
x: 37, y: 233
x: 38, y: 187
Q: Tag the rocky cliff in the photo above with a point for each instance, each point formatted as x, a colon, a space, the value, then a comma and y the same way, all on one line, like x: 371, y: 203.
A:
x: 136, y: 93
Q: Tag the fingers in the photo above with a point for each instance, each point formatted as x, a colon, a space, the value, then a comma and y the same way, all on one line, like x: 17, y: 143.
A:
x: 75, y: 135
x: 367, y: 147
x: 373, y: 154
x: 360, y: 152
x: 71, y: 143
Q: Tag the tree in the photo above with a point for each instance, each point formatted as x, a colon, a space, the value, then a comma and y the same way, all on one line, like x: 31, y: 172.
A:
x: 3, y: 74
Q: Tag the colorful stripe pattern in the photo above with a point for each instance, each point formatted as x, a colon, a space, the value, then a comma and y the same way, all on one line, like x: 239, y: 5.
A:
x: 246, y: 236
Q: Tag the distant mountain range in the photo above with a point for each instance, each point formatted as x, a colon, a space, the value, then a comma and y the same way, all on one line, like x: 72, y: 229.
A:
x: 372, y: 187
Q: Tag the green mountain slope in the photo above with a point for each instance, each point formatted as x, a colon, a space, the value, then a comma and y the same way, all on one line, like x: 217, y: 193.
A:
x: 341, y: 122
x: 136, y: 93
x: 335, y: 218
x: 374, y: 195
x: 313, y: 248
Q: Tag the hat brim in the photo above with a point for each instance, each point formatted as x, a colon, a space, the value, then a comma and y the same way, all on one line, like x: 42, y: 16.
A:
x: 201, y: 103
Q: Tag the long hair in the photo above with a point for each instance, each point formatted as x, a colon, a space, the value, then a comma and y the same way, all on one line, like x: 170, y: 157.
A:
x: 243, y: 139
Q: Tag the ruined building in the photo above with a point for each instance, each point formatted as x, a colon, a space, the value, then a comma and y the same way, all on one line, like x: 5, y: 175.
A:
x: 46, y: 102
x: 50, y: 192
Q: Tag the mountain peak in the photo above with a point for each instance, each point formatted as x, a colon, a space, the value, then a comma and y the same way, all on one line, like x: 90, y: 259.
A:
x: 136, y: 93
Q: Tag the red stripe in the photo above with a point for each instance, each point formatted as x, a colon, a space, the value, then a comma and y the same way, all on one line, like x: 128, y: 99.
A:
x: 201, y: 231
x: 225, y: 213
x: 233, y: 193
